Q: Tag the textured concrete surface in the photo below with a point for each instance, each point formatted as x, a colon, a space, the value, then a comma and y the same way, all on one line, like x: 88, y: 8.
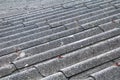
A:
x: 8, y: 7
x: 72, y: 41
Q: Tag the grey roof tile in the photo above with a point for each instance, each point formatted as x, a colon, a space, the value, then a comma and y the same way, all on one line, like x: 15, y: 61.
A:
x: 69, y: 5
x: 46, y: 46
x: 41, y: 40
x: 114, y: 42
x: 31, y: 37
x: 41, y: 23
x: 105, y: 46
x: 22, y: 34
x: 17, y: 31
x: 99, y: 16
x: 10, y: 28
x: 71, y: 25
x: 37, y: 18
x: 7, y: 59
x: 43, y: 10
x: 87, y: 73
x: 17, y: 22
x: 70, y: 41
x: 57, y: 76
x: 90, y: 63
x: 61, y: 41
x: 58, y: 23
x: 106, y: 5
x: 6, y: 69
x: 95, y: 5
x: 88, y: 33
x: 54, y: 65
x: 117, y: 5
x: 86, y: 10
x: 109, y: 25
x: 15, y: 16
x: 118, y: 21
x: 117, y: 60
x: 34, y: 21
x: 100, y: 21
x: 32, y: 74
x: 100, y: 47
x: 68, y: 15
x: 66, y: 48
x: 107, y: 74
x: 115, y: 2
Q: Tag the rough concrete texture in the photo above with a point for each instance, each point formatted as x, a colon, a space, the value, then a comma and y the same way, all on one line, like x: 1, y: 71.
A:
x: 8, y: 7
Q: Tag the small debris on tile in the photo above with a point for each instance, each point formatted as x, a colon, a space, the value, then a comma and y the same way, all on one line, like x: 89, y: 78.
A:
x: 113, y: 21
x: 117, y: 64
x: 60, y: 56
x: 81, y: 45
x: 17, y: 50
x: 22, y: 54
x: 71, y: 36
x: 26, y: 65
x: 62, y: 43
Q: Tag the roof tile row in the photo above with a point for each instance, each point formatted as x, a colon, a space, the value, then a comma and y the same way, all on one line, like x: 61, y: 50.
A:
x: 79, y: 41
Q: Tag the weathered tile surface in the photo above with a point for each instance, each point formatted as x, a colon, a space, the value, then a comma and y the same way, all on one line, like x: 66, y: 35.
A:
x: 71, y: 41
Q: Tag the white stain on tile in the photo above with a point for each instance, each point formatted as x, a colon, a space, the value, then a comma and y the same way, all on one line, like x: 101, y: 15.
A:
x: 22, y: 54
x: 26, y: 65
x: 62, y: 43
x: 71, y: 36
